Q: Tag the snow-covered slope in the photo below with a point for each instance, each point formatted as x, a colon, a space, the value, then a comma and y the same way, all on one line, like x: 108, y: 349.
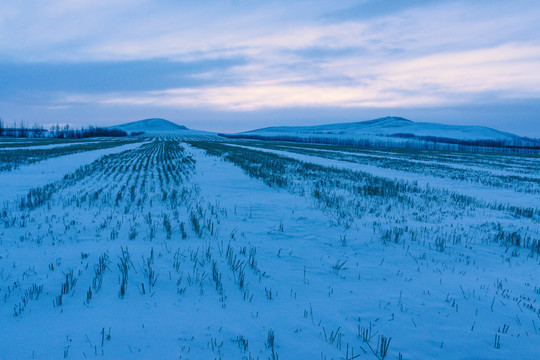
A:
x: 160, y: 126
x: 150, y: 125
x: 389, y: 127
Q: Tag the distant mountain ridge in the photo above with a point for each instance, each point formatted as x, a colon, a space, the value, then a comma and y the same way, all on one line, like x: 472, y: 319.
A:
x: 150, y: 125
x: 391, y: 126
x: 398, y: 132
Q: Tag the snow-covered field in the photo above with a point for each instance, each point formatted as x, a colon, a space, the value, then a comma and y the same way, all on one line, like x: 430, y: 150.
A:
x: 469, y: 181
x: 19, y: 181
x: 44, y: 147
x: 187, y: 248
x: 15, y: 153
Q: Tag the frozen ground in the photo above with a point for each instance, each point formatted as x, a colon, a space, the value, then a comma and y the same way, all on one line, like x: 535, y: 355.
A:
x: 485, y: 193
x: 43, y: 147
x: 203, y: 250
x: 19, y: 181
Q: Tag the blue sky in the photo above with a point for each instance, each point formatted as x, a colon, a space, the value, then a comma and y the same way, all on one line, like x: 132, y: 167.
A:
x: 239, y: 65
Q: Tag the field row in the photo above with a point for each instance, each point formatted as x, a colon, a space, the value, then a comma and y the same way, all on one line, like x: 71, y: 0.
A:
x: 498, y: 171
x: 12, y: 159
x: 253, y: 255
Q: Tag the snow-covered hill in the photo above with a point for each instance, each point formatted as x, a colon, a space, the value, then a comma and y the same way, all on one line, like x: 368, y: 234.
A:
x: 401, y: 133
x: 390, y: 127
x: 150, y: 125
x: 158, y: 125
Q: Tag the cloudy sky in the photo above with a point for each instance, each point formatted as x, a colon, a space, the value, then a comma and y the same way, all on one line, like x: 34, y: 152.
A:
x: 238, y: 65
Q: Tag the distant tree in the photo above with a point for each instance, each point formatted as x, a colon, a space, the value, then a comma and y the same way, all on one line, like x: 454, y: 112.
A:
x: 38, y: 130
x: 1, y: 127
x: 91, y: 131
x: 23, y: 130
x: 55, y: 130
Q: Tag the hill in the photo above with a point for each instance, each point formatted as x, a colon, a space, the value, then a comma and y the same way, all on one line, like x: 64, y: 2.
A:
x: 150, y: 125
x: 393, y: 127
x: 398, y: 132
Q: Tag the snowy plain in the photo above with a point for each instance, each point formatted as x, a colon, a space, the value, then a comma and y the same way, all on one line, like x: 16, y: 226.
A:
x: 485, y: 193
x: 174, y: 249
x: 19, y: 181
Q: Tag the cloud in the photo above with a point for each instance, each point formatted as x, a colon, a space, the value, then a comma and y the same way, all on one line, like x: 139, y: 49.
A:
x: 21, y: 78
x: 443, y: 79
x: 249, y: 55
x: 261, y: 96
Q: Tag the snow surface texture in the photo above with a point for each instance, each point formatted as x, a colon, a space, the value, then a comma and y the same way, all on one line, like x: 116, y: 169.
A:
x: 385, y: 127
x: 167, y: 250
x: 486, y: 193
x: 43, y: 147
x: 19, y: 181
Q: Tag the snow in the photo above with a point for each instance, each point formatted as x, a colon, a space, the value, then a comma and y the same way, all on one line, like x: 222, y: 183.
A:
x: 19, y: 181
x: 485, y: 193
x: 433, y: 304
x: 153, y: 124
x: 43, y: 147
x: 425, y: 162
x: 384, y: 127
x: 160, y: 126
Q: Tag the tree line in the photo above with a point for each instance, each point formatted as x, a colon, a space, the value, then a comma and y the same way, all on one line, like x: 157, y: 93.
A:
x: 66, y: 132
x: 23, y: 130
